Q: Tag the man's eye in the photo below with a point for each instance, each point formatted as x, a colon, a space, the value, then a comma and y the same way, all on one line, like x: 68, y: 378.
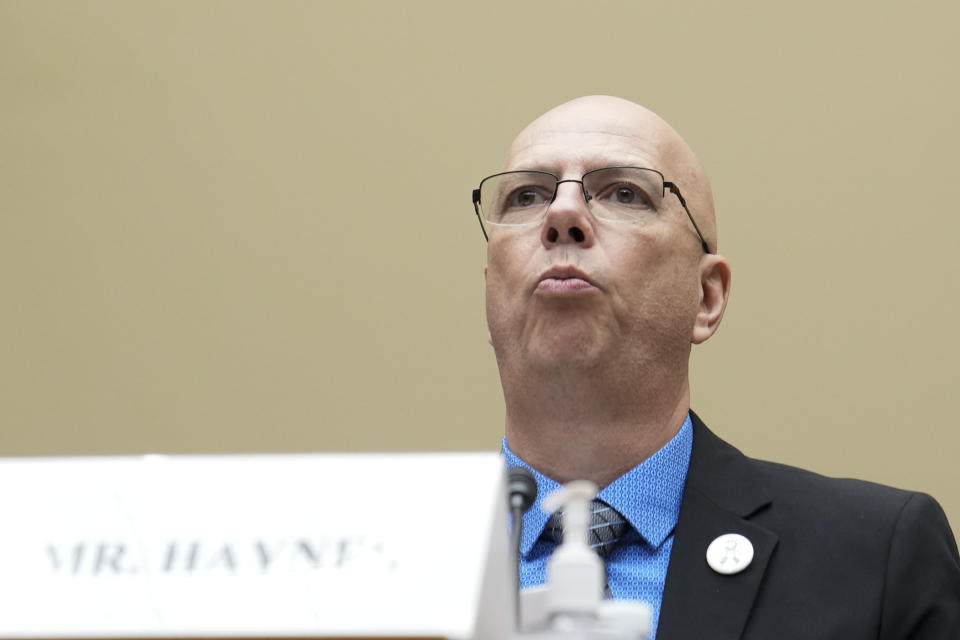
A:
x: 628, y: 194
x: 526, y: 197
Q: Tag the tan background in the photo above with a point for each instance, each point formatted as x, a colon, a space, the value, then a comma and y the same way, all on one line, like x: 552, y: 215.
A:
x: 238, y: 227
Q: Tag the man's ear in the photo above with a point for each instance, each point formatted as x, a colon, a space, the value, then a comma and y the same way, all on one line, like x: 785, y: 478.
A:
x: 489, y: 337
x: 714, y: 292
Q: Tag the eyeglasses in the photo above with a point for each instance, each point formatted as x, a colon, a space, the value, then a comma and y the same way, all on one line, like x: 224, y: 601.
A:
x: 618, y: 194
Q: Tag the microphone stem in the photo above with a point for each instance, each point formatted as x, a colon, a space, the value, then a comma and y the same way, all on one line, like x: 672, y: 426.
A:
x: 516, y: 533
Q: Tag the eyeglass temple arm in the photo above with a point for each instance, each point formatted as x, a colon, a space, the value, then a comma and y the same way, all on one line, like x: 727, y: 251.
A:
x: 675, y: 191
x: 476, y: 208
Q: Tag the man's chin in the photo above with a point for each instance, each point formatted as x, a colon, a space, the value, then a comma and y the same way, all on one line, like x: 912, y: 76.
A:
x: 558, y: 355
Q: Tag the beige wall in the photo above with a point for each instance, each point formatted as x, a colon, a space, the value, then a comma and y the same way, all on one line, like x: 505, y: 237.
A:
x: 246, y: 226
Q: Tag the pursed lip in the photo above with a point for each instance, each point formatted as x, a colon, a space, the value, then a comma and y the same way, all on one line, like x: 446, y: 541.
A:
x: 564, y: 279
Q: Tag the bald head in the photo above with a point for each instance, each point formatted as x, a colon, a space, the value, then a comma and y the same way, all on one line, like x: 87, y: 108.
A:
x: 593, y: 316
x: 632, y: 134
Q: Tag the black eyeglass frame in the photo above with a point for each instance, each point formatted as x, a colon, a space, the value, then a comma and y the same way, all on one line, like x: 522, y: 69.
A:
x: 667, y: 185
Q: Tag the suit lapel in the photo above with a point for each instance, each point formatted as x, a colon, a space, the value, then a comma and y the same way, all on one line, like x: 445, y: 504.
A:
x: 722, y: 492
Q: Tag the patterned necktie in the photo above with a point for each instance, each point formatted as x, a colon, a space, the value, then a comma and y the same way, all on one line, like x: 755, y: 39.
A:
x: 606, y: 527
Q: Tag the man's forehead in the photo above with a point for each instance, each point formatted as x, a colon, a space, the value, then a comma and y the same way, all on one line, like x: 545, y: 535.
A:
x: 583, y: 150
x: 589, y: 133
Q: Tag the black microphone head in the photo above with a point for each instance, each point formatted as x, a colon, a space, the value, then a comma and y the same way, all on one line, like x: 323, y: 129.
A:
x: 522, y: 487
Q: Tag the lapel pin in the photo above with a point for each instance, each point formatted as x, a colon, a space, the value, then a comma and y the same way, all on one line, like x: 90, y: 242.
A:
x: 730, y: 553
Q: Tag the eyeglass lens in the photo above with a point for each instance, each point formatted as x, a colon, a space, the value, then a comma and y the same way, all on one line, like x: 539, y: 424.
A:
x: 613, y: 193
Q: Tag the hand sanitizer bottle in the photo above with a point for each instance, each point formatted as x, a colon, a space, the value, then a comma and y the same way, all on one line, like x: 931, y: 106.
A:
x: 570, y: 606
x: 575, y: 573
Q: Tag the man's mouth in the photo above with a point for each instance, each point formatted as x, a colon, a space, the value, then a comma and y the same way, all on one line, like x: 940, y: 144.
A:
x: 564, y: 280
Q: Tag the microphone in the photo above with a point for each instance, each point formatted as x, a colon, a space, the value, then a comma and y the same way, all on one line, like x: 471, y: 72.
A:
x: 522, y: 488
x: 522, y: 492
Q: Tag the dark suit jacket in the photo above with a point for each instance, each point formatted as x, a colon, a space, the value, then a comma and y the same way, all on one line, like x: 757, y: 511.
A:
x: 833, y: 559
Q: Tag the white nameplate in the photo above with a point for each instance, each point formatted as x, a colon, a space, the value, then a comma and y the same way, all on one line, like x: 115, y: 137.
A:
x: 255, y: 546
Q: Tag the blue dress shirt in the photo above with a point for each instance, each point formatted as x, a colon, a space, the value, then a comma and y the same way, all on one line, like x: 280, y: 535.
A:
x: 648, y: 496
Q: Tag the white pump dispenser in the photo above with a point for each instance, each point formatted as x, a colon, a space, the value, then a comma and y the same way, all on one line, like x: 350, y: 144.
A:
x: 570, y: 606
x: 575, y: 572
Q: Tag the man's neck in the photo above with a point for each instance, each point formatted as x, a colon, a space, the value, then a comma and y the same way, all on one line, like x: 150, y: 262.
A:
x: 592, y: 428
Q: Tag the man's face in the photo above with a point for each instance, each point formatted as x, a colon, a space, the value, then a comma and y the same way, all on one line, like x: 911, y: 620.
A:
x: 572, y: 290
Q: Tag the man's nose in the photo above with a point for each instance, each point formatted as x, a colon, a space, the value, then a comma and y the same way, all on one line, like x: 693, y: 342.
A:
x: 568, y: 218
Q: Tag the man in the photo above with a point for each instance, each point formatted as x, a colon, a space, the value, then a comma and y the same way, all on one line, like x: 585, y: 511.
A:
x: 602, y: 272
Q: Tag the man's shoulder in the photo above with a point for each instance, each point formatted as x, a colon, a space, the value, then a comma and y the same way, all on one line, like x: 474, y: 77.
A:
x: 840, y: 492
x: 839, y: 557
x: 796, y: 492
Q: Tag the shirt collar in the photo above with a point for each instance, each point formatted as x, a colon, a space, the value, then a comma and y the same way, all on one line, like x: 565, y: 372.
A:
x: 647, y: 495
